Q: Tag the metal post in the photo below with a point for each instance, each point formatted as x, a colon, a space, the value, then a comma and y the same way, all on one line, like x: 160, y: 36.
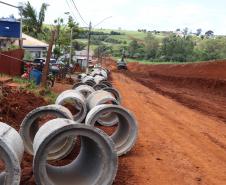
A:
x: 21, y: 27
x: 88, y: 47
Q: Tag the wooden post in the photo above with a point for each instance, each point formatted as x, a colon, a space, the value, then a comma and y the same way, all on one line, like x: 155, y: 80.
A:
x: 45, y: 71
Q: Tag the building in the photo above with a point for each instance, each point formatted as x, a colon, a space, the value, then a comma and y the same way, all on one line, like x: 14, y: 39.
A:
x: 81, y: 58
x: 9, y: 32
x: 33, y: 46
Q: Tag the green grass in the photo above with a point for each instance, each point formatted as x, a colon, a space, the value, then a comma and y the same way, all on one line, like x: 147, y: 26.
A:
x: 49, y: 96
x: 148, y: 62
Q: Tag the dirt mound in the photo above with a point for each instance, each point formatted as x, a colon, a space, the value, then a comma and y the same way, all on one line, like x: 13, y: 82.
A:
x: 15, y: 104
x: 209, y: 70
x: 199, y: 86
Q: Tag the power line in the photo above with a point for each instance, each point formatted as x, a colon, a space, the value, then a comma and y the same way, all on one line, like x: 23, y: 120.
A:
x: 9, y: 4
x: 79, y: 12
x: 102, y: 21
x: 71, y: 11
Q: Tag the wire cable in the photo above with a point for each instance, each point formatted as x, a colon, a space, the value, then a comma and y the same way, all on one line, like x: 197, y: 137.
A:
x: 79, y: 12
x: 71, y: 11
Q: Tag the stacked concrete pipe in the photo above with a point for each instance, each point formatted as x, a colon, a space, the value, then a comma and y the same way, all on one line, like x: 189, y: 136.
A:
x: 96, y: 163
x: 11, y: 153
x: 77, y: 99
x: 29, y: 127
x: 104, y: 108
x: 125, y: 135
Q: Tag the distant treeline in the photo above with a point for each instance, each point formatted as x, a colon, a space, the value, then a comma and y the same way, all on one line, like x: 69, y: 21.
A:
x: 173, y: 48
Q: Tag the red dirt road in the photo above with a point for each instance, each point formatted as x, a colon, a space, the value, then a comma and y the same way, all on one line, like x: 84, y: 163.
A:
x: 179, y: 143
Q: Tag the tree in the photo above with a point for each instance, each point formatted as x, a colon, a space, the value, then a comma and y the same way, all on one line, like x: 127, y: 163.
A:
x: 133, y: 48
x: 212, y: 48
x: 151, y: 46
x: 209, y: 33
x: 175, y: 48
x: 198, y: 32
x: 185, y: 31
x: 102, y: 50
x: 32, y: 21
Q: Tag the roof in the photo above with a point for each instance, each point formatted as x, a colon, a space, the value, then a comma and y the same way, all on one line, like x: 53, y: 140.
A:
x: 83, y: 53
x: 31, y: 42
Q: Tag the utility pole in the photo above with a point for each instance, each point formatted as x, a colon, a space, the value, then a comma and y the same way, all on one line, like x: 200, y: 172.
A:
x: 70, y: 59
x: 46, y: 66
x: 88, y: 47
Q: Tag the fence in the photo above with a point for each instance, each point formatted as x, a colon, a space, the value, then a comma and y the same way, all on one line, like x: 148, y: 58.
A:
x: 11, y: 62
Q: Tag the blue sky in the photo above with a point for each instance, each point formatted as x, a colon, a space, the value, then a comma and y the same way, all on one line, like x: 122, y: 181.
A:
x: 135, y: 14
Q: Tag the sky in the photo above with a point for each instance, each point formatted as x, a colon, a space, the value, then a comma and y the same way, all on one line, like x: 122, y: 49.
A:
x: 161, y: 15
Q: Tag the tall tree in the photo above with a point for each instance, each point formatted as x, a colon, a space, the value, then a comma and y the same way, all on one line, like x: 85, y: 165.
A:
x: 198, y: 32
x: 32, y: 20
x: 151, y: 46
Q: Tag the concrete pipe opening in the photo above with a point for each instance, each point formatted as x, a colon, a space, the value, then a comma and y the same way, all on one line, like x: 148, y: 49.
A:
x: 103, y: 97
x: 114, y: 92
x: 30, y: 126
x: 95, y: 164
x: 77, y: 85
x: 11, y: 154
x: 85, y: 90
x: 105, y: 82
x: 125, y: 134
x: 75, y: 102
x: 90, y: 83
x: 99, y: 87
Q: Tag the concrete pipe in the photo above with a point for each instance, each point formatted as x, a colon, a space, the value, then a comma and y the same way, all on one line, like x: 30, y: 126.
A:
x: 105, y: 82
x: 95, y: 72
x: 125, y: 135
x: 104, y: 74
x: 90, y: 83
x: 77, y: 85
x: 86, y: 90
x: 103, y: 97
x: 96, y: 163
x: 87, y: 78
x: 29, y: 127
x: 81, y: 76
x: 11, y: 154
x: 76, y: 99
x: 98, y: 79
x: 100, y: 97
x: 114, y: 92
x: 99, y: 87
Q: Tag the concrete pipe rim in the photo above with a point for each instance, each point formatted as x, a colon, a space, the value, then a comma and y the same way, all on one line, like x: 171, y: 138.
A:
x: 126, y: 133
x: 29, y: 128
x: 12, y: 165
x: 11, y: 154
x: 99, y: 87
x: 85, y: 90
x: 78, y: 100
x: 115, y: 92
x: 77, y: 85
x: 103, y: 174
x: 107, y: 83
x: 90, y: 83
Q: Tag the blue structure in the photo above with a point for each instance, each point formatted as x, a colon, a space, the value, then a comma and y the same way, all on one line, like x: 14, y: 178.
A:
x: 9, y: 28
x: 36, y: 76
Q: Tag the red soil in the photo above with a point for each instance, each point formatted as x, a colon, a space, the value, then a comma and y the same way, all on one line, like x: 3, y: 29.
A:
x: 180, y: 110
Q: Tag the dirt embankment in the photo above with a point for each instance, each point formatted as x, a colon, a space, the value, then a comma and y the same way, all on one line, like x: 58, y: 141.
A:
x: 200, y: 86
